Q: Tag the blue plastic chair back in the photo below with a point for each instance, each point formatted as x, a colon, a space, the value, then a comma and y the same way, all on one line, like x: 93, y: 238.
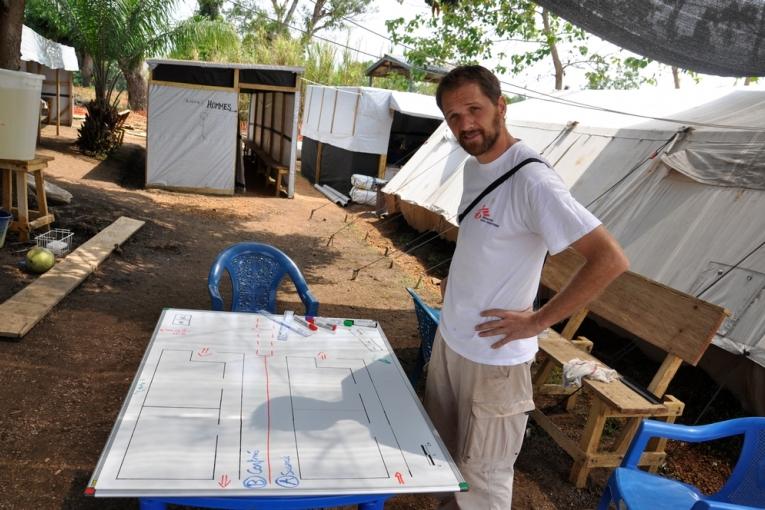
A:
x: 744, y: 489
x: 256, y: 271
x: 427, y: 323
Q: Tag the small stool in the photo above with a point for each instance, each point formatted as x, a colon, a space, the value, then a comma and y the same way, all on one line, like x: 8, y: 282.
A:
x: 20, y: 169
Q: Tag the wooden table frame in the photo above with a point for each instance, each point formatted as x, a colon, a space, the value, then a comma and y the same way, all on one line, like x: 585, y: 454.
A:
x: 24, y: 224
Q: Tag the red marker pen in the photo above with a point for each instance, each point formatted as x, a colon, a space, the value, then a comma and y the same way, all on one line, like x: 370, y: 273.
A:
x: 305, y: 323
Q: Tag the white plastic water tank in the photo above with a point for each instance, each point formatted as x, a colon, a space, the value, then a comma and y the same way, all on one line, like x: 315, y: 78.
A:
x: 19, y: 114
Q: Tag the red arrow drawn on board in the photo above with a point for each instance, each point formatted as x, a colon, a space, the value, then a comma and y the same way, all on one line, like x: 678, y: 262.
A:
x: 204, y: 351
x: 224, y: 481
x: 399, y: 477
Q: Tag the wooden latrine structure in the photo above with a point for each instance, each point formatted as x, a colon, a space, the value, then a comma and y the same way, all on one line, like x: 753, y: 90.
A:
x: 56, y: 62
x: 193, y: 125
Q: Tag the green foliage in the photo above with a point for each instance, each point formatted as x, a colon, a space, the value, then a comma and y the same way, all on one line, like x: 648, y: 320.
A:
x: 210, y: 8
x: 612, y: 72
x: 202, y: 38
x: 311, y: 17
x: 468, y: 32
x: 97, y: 135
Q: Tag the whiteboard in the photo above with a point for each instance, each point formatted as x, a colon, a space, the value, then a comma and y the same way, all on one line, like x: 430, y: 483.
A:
x: 242, y: 404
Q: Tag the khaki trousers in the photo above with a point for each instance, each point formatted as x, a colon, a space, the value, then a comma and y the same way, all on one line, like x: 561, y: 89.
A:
x: 480, y: 413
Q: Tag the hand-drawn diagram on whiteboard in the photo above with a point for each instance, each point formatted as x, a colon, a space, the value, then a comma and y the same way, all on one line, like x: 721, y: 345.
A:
x: 243, y: 404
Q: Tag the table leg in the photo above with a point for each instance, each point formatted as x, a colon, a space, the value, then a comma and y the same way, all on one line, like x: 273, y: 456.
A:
x: 42, y: 199
x: 151, y: 504
x: 7, y: 189
x: 23, y: 205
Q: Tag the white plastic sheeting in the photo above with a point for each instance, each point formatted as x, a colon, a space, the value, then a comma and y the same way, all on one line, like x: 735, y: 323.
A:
x: 192, y: 139
x: 691, y: 216
x: 37, y: 48
x: 359, y: 119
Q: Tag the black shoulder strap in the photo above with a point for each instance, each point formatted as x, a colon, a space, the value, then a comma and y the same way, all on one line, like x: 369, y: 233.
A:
x: 491, y: 187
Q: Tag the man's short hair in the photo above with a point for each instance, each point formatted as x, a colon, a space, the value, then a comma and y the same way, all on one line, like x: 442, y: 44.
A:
x: 461, y: 75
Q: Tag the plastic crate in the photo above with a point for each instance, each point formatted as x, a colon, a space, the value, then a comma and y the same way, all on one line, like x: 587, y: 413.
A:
x: 57, y: 240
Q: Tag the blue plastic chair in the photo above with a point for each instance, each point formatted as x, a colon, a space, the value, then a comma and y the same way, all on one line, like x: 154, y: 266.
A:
x: 427, y: 323
x: 744, y: 489
x: 256, y: 270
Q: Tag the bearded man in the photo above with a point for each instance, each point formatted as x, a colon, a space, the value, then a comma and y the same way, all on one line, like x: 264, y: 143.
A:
x: 514, y: 210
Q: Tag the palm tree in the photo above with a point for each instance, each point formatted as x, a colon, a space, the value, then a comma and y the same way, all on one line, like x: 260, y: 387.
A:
x: 119, y: 34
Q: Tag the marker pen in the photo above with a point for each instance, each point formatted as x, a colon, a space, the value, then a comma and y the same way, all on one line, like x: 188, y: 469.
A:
x: 366, y: 323
x: 324, y: 324
x: 305, y: 323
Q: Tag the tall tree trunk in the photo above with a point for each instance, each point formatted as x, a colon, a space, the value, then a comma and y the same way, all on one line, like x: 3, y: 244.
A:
x: 136, y: 86
x: 11, y: 20
x: 553, y: 50
x: 316, y: 15
x: 86, y: 69
x: 676, y: 76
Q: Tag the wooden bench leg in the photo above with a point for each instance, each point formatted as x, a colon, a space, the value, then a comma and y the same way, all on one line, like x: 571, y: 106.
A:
x: 589, y: 444
x: 543, y: 374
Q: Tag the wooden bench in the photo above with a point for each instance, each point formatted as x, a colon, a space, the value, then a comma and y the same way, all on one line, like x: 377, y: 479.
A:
x: 678, y: 324
x: 272, y: 170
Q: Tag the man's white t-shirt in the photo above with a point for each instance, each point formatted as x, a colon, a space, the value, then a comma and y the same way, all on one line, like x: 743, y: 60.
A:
x: 501, y: 247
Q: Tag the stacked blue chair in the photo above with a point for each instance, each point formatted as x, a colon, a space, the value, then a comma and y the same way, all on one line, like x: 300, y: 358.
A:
x: 256, y: 270
x: 427, y: 323
x: 635, y: 489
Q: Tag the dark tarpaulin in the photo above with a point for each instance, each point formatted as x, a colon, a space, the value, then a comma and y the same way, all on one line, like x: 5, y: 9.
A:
x: 721, y: 37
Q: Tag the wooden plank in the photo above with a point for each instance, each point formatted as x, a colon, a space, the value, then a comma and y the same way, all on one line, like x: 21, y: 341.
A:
x: 675, y: 322
x: 267, y: 88
x: 162, y: 83
x: 589, y: 443
x: 22, y: 311
x: 616, y: 393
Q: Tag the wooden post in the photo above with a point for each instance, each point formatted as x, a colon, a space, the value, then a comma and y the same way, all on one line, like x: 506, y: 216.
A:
x: 381, y: 166
x: 318, y: 162
x: 58, y: 104
x: 283, y: 129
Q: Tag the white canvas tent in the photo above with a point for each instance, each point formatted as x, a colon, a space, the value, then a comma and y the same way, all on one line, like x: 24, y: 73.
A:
x: 688, y: 205
x: 193, y: 122
x: 55, y: 62
x: 362, y: 130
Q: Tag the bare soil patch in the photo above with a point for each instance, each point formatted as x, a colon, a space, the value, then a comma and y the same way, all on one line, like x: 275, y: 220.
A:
x: 62, y: 386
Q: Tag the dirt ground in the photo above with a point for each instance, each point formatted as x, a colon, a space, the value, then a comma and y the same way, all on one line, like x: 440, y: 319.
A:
x: 63, y: 384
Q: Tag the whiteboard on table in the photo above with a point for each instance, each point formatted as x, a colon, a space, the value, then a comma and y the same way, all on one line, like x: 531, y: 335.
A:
x: 242, y: 404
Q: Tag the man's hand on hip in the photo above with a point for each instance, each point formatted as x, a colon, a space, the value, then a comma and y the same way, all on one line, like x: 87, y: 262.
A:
x: 512, y: 325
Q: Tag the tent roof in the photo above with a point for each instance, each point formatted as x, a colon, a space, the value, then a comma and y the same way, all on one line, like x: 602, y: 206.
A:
x: 391, y: 64
x: 36, y: 48
x: 722, y: 37
x: 704, y: 109
x: 417, y: 105
x: 222, y: 65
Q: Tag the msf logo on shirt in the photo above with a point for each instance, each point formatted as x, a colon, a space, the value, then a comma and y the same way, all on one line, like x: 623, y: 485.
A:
x: 483, y: 214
